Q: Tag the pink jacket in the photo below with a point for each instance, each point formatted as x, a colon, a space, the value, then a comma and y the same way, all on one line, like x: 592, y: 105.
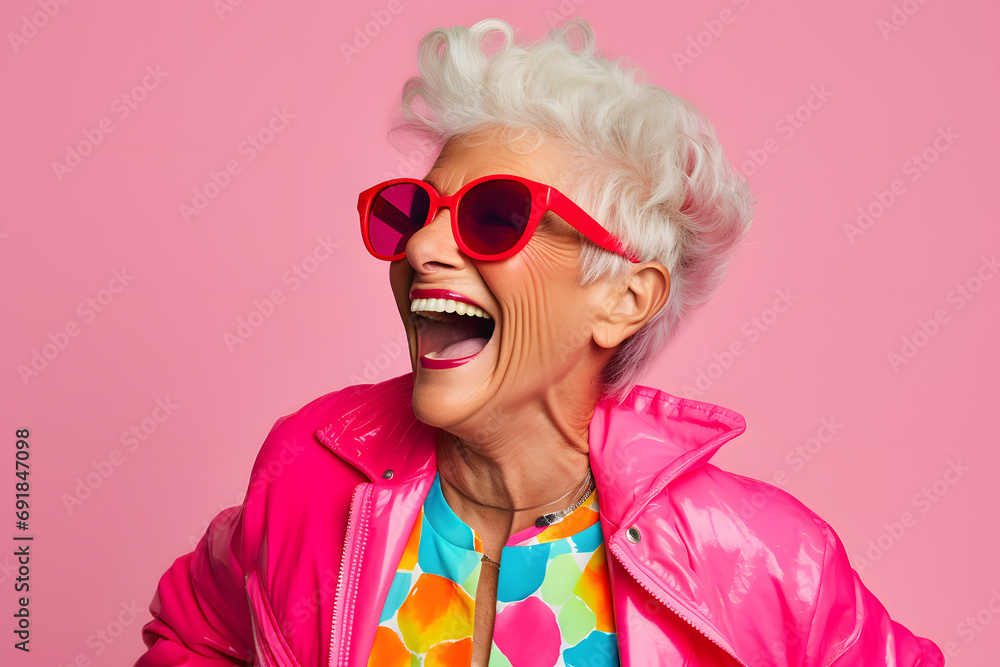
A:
x: 700, y: 575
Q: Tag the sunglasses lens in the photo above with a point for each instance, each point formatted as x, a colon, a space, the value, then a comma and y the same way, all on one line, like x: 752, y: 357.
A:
x: 493, y: 215
x: 397, y: 212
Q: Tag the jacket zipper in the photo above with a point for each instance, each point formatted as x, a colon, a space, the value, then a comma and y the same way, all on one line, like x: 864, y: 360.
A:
x: 616, y: 550
x: 253, y: 624
x: 349, y: 563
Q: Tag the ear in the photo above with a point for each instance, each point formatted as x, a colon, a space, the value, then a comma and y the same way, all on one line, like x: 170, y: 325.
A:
x: 645, y: 293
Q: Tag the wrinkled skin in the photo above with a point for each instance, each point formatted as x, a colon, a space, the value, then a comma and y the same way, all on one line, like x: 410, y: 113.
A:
x: 515, y: 418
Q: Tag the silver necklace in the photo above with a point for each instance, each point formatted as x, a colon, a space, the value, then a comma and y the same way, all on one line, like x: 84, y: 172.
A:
x: 543, y: 520
x: 555, y: 517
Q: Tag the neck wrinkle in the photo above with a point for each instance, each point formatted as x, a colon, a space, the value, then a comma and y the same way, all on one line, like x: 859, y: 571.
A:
x: 522, y: 463
x: 511, y: 481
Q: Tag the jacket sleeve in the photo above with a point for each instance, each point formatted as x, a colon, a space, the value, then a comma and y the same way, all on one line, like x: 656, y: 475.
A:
x: 201, y: 615
x: 851, y: 627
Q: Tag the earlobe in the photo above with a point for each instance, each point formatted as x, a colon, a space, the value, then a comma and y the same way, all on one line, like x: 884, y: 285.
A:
x: 644, y: 295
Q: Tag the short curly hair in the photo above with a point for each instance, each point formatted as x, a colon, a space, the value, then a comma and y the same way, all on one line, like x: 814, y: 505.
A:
x: 647, y: 163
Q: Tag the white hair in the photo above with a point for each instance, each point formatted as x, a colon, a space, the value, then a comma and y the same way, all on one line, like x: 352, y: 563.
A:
x: 647, y: 164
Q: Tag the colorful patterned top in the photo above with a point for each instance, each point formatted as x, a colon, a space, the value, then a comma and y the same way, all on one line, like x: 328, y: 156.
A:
x: 553, y: 594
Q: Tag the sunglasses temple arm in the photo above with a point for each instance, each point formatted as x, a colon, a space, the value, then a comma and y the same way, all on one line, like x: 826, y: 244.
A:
x: 582, y: 221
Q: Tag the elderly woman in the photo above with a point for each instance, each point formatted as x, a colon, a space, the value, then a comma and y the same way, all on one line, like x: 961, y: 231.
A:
x: 517, y: 500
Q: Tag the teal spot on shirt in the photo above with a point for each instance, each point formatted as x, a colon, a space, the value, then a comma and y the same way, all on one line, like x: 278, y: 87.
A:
x: 598, y: 649
x: 588, y: 539
x: 452, y: 554
x: 400, y: 588
x: 522, y: 571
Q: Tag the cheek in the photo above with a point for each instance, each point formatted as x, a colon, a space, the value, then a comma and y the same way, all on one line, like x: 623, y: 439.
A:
x: 400, y: 279
x: 546, y: 315
x: 552, y: 274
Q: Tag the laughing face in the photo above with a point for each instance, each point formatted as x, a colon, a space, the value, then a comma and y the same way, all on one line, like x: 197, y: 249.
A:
x: 496, y: 345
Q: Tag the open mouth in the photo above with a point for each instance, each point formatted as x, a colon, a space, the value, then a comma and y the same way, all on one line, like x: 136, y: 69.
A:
x: 451, y: 329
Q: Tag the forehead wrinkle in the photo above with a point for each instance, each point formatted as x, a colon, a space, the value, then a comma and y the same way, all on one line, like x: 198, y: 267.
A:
x: 451, y: 172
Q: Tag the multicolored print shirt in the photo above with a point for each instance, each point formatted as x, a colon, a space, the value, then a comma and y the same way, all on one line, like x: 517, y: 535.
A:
x: 553, y: 595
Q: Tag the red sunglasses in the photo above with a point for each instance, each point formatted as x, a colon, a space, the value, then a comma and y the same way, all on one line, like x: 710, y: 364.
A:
x: 492, y: 217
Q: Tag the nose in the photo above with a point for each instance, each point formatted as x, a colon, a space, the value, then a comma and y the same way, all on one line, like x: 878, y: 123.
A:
x: 433, y: 246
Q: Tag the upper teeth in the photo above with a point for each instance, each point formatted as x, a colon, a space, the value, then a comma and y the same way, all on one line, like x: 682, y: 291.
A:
x: 447, y: 306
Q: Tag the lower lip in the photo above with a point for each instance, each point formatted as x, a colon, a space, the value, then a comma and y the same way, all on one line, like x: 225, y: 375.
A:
x: 426, y: 362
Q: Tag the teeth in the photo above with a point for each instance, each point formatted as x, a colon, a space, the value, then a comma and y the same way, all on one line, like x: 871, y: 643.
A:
x: 447, y: 306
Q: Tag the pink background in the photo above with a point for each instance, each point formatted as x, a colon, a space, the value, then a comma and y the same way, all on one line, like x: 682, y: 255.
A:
x: 886, y: 96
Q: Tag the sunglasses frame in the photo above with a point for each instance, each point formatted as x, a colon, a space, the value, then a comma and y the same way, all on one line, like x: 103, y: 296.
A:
x: 544, y: 198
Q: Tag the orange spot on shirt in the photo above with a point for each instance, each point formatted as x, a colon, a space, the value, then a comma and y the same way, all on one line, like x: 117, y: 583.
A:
x: 579, y: 520
x: 594, y: 588
x: 450, y: 654
x: 409, y: 559
x: 436, y: 610
x: 388, y: 650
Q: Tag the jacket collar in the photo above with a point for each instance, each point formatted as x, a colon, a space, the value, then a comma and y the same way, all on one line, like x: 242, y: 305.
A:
x: 374, y: 429
x: 636, y: 447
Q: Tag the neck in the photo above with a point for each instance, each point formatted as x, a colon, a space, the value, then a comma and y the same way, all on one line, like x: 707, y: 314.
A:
x: 529, y: 459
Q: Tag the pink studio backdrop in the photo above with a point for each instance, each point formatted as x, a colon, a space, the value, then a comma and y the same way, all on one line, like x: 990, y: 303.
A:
x: 171, y: 170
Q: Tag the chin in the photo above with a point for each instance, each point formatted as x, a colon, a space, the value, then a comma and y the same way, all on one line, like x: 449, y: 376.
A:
x: 441, y: 407
x: 453, y: 398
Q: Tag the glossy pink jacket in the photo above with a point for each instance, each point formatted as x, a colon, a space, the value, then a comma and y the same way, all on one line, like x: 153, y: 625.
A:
x: 706, y: 567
